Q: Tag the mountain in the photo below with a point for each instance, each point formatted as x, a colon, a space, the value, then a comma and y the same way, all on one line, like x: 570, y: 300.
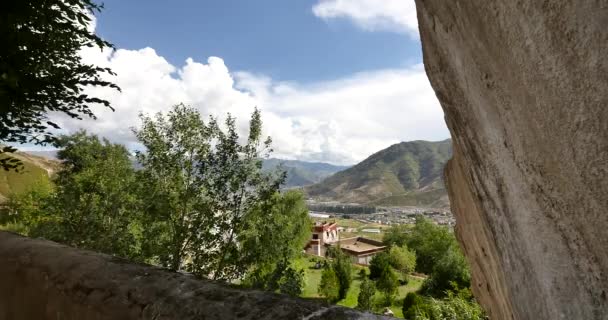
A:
x: 302, y: 173
x: 404, y: 174
x: 35, y: 169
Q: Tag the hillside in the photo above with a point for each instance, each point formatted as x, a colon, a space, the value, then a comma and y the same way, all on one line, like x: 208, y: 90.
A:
x: 302, y: 173
x: 35, y: 168
x: 405, y: 174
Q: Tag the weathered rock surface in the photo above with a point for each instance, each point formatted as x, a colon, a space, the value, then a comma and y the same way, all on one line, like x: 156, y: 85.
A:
x: 524, y: 87
x: 45, y: 280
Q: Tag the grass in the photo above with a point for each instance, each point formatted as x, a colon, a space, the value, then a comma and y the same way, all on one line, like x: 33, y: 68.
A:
x: 17, y: 182
x: 359, y: 226
x: 313, y: 277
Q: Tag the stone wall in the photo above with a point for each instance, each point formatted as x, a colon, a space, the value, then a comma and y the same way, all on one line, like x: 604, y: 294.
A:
x: 45, y: 280
x: 524, y: 88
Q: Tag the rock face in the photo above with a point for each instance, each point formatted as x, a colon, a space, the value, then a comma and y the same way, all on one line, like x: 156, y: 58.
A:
x: 44, y: 280
x: 524, y: 87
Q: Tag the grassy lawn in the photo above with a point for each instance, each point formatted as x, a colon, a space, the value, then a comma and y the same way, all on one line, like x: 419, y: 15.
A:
x: 313, y: 277
x: 359, y: 226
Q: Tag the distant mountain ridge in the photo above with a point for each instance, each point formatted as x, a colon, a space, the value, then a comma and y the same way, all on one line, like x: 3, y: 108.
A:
x: 302, y: 173
x: 299, y: 173
x: 404, y: 174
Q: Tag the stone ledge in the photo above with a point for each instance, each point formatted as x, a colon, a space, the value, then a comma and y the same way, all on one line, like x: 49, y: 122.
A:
x: 45, y: 280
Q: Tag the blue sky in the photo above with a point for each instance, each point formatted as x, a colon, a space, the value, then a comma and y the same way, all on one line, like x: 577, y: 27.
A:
x: 336, y: 80
x: 279, y: 38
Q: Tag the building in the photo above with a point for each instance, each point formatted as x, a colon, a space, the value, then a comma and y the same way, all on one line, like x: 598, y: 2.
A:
x: 360, y: 249
x: 323, y: 233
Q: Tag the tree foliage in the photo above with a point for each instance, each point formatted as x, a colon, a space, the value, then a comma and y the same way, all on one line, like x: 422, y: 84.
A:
x: 452, y: 271
x: 402, y: 260
x: 388, y: 284
x: 92, y: 205
x: 41, y: 70
x: 329, y: 287
x: 210, y: 202
x: 275, y: 230
x: 457, y: 305
x: 396, y: 235
x: 367, y: 291
x: 343, y: 267
x: 430, y: 242
x: 378, y: 263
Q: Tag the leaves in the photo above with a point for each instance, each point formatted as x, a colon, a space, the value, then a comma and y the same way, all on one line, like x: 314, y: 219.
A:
x: 41, y: 69
x: 209, y: 197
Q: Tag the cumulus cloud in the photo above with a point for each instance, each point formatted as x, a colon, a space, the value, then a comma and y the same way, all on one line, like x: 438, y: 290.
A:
x: 372, y: 15
x: 341, y: 121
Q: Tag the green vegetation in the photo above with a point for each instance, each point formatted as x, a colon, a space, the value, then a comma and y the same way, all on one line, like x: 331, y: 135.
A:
x: 457, y: 305
x: 329, y: 286
x: 42, y: 68
x: 367, y: 290
x: 30, y: 173
x: 199, y: 203
x: 313, y: 278
x: 410, y: 172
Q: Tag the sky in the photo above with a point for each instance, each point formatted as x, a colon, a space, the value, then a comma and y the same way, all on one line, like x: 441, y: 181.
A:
x: 336, y: 80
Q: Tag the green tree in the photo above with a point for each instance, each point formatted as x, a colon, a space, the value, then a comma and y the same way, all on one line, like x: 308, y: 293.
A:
x: 366, y: 295
x: 396, y: 235
x: 41, y: 69
x: 343, y: 267
x: 171, y: 183
x: 93, y: 206
x: 207, y: 195
x: 329, y: 287
x: 275, y: 230
x: 403, y: 260
x: 378, y: 263
x: 430, y: 242
x: 451, y: 272
x: 388, y: 284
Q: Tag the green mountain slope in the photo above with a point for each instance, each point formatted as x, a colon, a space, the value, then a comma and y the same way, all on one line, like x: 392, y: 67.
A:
x: 34, y: 170
x: 405, y: 174
x: 302, y: 173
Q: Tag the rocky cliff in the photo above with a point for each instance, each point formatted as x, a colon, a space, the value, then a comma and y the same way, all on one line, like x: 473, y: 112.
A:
x: 524, y: 87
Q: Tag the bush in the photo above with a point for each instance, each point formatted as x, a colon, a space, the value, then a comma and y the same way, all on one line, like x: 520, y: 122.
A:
x: 411, y: 304
x: 458, y: 305
x: 292, y: 282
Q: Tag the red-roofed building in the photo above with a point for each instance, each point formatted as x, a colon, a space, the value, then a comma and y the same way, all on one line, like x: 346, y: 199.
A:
x: 323, y: 233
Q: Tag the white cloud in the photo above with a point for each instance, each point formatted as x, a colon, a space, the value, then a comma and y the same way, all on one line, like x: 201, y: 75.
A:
x: 372, y: 15
x: 341, y: 121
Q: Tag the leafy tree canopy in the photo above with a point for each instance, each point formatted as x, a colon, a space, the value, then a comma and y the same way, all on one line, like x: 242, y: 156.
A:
x: 430, y: 242
x: 41, y: 69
